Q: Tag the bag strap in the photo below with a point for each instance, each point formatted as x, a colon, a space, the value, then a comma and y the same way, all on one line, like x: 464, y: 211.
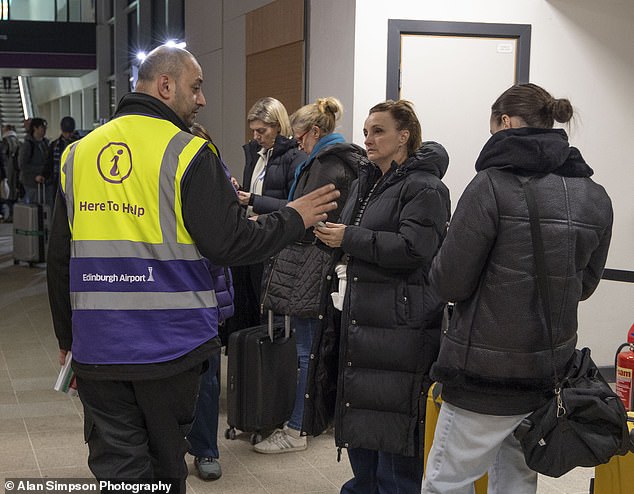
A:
x: 540, y: 265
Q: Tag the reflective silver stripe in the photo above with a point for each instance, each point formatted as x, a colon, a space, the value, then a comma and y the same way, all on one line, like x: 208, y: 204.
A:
x: 143, y: 300
x: 127, y: 248
x: 68, y: 186
x: 167, y: 177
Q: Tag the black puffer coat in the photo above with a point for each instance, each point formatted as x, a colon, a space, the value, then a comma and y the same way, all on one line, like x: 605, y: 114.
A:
x: 298, y: 273
x: 280, y: 173
x: 495, y: 358
x: 390, y: 325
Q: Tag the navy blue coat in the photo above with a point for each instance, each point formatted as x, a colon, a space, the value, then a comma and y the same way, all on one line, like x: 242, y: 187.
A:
x: 280, y: 173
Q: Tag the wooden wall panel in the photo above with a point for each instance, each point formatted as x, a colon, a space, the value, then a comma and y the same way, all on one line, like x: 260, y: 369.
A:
x: 276, y: 24
x: 275, y: 63
x: 279, y: 73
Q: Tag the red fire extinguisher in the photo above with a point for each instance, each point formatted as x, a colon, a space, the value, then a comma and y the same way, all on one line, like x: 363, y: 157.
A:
x: 625, y: 371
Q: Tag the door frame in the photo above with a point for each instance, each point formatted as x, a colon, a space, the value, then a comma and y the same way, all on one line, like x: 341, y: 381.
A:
x: 398, y: 27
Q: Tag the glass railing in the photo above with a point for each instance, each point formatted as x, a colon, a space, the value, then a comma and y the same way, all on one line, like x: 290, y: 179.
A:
x: 25, y: 96
x: 48, y: 10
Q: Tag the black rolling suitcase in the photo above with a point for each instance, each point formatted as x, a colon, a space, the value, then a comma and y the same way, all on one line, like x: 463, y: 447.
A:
x: 261, y: 378
x: 31, y: 225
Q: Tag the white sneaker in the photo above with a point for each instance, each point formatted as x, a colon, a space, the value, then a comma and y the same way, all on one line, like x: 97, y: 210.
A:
x: 284, y: 440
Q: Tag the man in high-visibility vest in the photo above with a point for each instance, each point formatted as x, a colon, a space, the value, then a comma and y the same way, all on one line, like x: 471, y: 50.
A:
x: 143, y: 204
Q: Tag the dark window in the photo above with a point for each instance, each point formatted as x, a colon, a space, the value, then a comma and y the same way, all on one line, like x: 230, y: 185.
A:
x: 133, y: 32
x: 112, y: 98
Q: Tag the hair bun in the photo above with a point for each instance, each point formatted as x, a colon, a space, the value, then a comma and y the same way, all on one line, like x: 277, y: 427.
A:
x: 561, y: 109
x: 330, y: 105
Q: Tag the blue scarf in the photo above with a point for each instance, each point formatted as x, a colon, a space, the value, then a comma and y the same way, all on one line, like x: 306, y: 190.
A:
x: 327, y: 140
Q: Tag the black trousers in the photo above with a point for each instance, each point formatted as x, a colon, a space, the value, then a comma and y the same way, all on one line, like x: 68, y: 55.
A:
x: 137, y: 429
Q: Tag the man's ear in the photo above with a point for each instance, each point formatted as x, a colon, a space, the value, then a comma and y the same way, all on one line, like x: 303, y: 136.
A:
x: 164, y: 86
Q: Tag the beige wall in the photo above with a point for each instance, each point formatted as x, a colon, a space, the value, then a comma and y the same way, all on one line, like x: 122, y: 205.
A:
x: 580, y: 49
x: 330, y: 70
x: 215, y: 33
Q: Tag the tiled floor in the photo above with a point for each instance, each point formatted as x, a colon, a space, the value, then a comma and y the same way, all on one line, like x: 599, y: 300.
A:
x: 41, y: 430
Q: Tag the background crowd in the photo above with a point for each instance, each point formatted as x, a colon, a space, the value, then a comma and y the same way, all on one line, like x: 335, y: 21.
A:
x: 30, y: 167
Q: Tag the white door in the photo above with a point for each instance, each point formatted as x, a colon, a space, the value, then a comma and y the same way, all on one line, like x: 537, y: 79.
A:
x: 453, y: 81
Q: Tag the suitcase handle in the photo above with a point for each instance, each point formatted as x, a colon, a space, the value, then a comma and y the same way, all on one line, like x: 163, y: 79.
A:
x: 287, y: 326
x: 41, y: 193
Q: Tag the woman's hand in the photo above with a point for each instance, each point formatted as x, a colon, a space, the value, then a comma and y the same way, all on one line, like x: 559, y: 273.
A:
x: 331, y: 234
x: 244, y: 197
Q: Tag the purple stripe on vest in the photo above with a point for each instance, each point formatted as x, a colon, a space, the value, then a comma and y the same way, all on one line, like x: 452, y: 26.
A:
x: 128, y: 274
x: 140, y: 336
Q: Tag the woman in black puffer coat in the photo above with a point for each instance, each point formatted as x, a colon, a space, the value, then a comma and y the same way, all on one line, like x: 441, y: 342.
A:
x: 495, y: 361
x: 269, y: 170
x: 296, y: 285
x: 392, y: 226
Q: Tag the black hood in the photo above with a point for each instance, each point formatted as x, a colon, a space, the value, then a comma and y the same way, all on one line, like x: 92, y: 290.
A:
x: 350, y: 154
x: 533, y: 150
x: 431, y: 157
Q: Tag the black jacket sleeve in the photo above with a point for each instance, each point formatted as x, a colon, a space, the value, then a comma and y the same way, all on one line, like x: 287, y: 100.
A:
x: 457, y: 268
x: 330, y: 170
x: 215, y: 220
x: 594, y: 270
x: 268, y: 204
x: 57, y: 273
x: 47, y: 171
x: 25, y: 154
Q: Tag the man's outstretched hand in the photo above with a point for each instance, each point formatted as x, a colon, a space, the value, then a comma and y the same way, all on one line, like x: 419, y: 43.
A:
x: 313, y: 206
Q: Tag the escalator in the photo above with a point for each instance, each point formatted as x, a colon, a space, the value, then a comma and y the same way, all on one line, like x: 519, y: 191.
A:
x: 14, y: 99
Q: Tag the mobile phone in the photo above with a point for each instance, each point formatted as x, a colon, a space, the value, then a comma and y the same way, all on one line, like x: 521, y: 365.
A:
x: 321, y: 224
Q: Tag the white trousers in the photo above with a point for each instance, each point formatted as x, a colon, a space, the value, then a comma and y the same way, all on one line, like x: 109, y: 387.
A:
x: 468, y: 444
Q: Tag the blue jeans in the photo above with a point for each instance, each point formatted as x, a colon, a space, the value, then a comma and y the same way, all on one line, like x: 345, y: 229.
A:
x: 304, y: 333
x: 203, y: 437
x: 44, y: 194
x: 377, y: 472
x: 31, y: 195
x: 467, y: 444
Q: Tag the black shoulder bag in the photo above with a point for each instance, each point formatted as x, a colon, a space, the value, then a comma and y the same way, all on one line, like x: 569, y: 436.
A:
x: 585, y: 423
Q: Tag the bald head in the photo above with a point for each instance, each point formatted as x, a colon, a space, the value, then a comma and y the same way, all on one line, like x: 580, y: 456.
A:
x: 173, y: 76
x: 162, y: 61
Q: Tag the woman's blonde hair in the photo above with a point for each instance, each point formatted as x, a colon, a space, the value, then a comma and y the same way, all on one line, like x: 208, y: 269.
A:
x: 323, y: 113
x: 271, y: 112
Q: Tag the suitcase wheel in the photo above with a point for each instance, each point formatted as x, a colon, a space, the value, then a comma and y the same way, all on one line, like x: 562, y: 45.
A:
x: 230, y: 433
x: 255, y: 438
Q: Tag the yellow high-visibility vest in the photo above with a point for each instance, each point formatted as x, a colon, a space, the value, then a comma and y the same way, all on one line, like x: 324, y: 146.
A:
x: 136, y: 276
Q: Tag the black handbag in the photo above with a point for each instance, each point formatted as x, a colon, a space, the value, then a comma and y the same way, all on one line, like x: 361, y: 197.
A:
x: 585, y: 423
